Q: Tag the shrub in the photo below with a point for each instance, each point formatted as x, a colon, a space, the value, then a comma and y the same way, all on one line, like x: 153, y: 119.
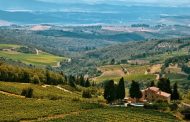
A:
x: 173, y: 106
x: 35, y: 80
x: 76, y: 99
x: 28, y: 92
x: 86, y: 94
x: 186, y: 113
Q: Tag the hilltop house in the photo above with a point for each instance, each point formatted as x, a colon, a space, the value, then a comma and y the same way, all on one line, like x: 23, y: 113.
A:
x: 152, y: 94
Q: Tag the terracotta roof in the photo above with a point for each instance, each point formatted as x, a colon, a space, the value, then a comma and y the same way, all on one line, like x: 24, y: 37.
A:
x: 158, y: 92
x: 154, y: 89
x: 164, y: 94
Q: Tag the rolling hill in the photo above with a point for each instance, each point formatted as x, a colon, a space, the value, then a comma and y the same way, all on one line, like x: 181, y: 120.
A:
x: 37, y: 58
x: 53, y: 104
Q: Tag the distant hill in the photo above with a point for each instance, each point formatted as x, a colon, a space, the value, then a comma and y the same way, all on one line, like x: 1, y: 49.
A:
x: 25, y: 5
x: 35, y: 12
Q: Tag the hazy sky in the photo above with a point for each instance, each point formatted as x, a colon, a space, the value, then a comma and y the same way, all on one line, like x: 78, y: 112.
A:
x: 159, y: 2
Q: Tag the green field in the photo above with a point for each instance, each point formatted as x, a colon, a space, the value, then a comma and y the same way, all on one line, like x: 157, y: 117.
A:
x: 39, y: 91
x: 3, y: 46
x: 136, y: 77
x: 162, y: 57
x: 115, y: 72
x: 119, y: 115
x: 70, y: 107
x: 42, y: 58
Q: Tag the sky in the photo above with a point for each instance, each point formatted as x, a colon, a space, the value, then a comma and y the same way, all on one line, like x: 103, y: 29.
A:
x: 154, y: 2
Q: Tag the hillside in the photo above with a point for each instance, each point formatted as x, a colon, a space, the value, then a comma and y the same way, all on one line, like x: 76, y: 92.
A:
x: 129, y: 72
x: 92, y: 46
x: 28, y: 55
x: 151, y: 50
x: 52, y: 104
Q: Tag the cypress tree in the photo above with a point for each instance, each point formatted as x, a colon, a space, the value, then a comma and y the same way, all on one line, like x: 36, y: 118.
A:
x: 109, y: 91
x: 175, y: 93
x: 48, y: 78
x: 164, y: 85
x: 72, y: 81
x: 135, y: 91
x: 82, y: 81
x: 121, y: 89
x: 112, y: 61
x: 152, y: 83
x: 26, y: 77
x: 87, y: 83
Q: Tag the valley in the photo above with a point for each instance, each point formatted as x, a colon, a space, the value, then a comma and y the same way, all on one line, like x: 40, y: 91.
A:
x: 54, y: 72
x: 65, y: 70
x: 94, y: 61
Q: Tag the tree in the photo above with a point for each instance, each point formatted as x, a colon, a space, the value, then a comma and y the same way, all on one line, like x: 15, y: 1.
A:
x: 188, y: 78
x: 66, y: 79
x: 87, y: 83
x: 121, y: 89
x: 28, y: 92
x: 86, y: 94
x: 72, y: 81
x: 26, y: 77
x: 82, y: 81
x: 48, y: 78
x: 112, y: 61
x: 164, y: 85
x: 135, y: 91
x: 35, y: 79
x: 152, y: 83
x: 93, y: 83
x: 109, y: 91
x: 175, y: 93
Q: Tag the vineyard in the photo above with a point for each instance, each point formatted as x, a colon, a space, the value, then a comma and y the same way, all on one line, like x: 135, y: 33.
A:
x: 119, y: 115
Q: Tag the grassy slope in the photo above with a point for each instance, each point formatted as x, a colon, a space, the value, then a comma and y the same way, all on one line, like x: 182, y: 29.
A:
x: 39, y: 91
x: 164, y: 56
x: 119, y: 115
x: 2, y: 46
x: 15, y: 109
x: 135, y: 73
x: 41, y: 59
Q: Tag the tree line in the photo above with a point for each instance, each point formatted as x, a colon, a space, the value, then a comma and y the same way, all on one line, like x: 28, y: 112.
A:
x: 12, y: 73
x: 114, y: 91
x: 78, y: 80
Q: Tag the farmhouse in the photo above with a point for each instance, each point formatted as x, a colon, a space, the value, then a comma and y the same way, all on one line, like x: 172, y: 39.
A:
x: 152, y: 94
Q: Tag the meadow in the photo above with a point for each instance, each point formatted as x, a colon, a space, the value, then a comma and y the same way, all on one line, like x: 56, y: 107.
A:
x: 115, y: 72
x: 40, y: 91
x: 41, y: 59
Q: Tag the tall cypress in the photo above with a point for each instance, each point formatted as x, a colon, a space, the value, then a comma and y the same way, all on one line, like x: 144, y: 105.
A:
x: 87, y: 83
x: 121, y: 89
x: 175, y: 93
x: 164, y: 85
x: 82, y: 81
x: 109, y: 91
x: 152, y: 83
